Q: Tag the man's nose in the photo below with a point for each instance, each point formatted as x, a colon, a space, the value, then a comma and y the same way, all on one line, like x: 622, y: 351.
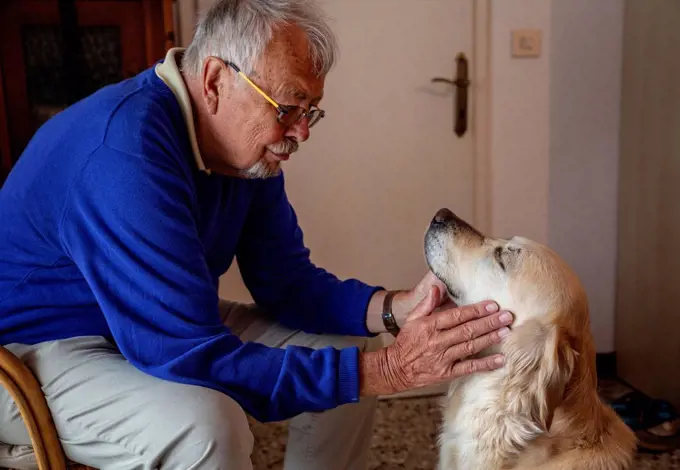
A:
x: 299, y: 130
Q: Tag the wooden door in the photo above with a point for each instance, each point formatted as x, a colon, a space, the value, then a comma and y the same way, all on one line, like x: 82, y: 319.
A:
x: 647, y: 320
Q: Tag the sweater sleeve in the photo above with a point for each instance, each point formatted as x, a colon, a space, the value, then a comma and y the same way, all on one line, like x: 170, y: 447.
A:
x: 129, y: 227
x: 276, y: 268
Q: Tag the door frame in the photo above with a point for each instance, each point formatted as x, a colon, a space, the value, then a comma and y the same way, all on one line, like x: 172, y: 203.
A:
x: 481, y: 108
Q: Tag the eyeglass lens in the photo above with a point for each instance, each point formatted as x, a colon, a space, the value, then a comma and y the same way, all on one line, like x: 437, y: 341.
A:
x: 295, y: 114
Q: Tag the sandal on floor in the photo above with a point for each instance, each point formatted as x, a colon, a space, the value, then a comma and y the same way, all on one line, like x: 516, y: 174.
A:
x: 655, y: 422
x: 651, y: 441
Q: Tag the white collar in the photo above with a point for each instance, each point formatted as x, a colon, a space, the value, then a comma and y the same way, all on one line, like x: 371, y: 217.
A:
x: 168, y: 71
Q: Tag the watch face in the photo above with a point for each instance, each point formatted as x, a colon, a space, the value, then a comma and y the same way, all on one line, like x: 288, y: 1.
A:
x: 390, y: 323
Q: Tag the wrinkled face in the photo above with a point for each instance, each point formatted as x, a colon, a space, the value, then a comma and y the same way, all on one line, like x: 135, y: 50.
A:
x: 247, y: 138
x: 522, y: 276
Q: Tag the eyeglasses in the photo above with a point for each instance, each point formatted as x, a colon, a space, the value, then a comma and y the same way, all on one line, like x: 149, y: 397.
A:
x: 288, y: 115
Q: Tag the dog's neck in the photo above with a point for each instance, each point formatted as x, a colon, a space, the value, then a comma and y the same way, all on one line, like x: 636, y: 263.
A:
x: 480, y: 432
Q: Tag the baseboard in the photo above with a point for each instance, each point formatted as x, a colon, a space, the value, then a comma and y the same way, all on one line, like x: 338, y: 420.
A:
x: 606, y: 365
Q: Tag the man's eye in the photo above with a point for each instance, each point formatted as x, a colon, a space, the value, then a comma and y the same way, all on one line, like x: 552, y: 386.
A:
x: 294, y: 111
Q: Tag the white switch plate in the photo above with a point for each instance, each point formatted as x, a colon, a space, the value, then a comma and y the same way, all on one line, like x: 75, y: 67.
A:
x: 526, y: 43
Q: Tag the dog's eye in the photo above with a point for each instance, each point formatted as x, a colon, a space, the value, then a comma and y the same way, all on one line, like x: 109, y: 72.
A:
x: 498, y: 254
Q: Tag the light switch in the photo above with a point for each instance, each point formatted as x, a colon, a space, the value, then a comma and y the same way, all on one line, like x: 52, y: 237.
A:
x: 526, y: 43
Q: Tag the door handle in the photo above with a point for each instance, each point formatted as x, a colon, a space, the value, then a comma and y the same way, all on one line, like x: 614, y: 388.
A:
x: 462, y: 84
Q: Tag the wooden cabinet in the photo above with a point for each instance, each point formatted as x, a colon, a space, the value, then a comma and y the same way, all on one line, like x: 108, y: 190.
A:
x: 55, y: 52
x: 5, y: 155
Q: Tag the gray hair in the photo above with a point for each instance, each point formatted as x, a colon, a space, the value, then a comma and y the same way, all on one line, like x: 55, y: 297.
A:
x: 239, y: 31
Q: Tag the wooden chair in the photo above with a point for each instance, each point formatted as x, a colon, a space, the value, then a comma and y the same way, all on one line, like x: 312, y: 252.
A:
x: 24, y: 388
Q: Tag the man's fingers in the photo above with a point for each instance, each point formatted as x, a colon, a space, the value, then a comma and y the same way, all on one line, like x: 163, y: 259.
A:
x: 472, y: 347
x: 446, y: 304
x: 426, y: 305
x: 472, y: 329
x: 477, y: 365
x: 432, y: 280
x: 450, y: 318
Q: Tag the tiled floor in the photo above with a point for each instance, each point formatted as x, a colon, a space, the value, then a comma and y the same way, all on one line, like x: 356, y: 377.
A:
x: 405, y: 437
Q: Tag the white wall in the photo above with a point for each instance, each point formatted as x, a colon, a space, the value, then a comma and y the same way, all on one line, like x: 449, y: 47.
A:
x: 520, y: 100
x: 555, y: 138
x: 584, y: 156
x: 186, y: 11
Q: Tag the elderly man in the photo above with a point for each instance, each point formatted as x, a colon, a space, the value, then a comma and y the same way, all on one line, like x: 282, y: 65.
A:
x: 119, y: 219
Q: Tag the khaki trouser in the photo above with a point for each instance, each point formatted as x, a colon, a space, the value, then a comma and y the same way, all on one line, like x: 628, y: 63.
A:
x: 109, y: 415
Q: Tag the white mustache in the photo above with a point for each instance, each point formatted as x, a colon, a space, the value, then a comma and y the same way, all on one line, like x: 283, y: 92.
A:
x: 285, y: 147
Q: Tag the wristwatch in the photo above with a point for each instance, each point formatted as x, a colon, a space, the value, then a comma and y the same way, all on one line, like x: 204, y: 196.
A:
x: 387, y: 316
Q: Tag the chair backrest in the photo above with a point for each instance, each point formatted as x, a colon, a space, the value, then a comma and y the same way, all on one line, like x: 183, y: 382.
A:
x: 24, y: 388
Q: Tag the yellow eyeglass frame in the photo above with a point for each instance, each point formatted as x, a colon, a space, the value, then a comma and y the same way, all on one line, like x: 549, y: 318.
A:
x: 314, y: 115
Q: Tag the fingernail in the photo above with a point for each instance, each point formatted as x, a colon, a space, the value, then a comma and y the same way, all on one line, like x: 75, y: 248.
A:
x: 500, y: 360
x: 492, y: 308
x: 506, y: 317
x: 503, y: 332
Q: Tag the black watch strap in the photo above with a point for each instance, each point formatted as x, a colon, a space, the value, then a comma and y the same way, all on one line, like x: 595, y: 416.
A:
x: 387, y: 317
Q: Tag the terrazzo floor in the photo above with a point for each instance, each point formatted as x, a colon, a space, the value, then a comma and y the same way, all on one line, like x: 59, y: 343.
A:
x: 405, y: 437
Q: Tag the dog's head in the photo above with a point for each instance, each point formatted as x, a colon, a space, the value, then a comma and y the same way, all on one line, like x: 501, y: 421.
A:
x: 521, y: 275
x: 547, y: 300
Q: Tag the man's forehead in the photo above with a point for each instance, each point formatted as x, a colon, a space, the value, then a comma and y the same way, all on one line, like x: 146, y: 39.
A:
x: 302, y: 91
x: 287, y: 62
x: 292, y: 78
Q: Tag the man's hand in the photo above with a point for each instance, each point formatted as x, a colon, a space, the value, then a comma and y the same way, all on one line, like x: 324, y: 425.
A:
x: 433, y: 346
x: 404, y: 302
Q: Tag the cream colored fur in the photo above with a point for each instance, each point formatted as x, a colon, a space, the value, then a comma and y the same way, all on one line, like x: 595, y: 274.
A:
x: 541, y: 411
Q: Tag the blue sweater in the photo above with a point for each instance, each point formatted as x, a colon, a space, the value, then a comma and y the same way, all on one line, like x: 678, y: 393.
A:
x: 107, y: 227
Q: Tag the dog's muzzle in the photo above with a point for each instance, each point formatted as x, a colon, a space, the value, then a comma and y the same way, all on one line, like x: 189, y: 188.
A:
x: 445, y: 219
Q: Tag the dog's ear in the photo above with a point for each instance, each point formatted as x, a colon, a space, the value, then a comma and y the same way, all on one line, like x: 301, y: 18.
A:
x: 539, y: 361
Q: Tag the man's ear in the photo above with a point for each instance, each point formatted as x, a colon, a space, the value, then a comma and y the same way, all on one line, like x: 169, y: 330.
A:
x: 539, y: 361
x: 213, y: 75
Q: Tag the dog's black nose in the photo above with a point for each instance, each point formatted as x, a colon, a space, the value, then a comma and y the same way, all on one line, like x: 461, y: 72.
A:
x: 443, y: 216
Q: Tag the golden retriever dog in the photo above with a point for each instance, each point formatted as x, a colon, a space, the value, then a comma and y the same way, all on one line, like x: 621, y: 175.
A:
x: 541, y: 411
